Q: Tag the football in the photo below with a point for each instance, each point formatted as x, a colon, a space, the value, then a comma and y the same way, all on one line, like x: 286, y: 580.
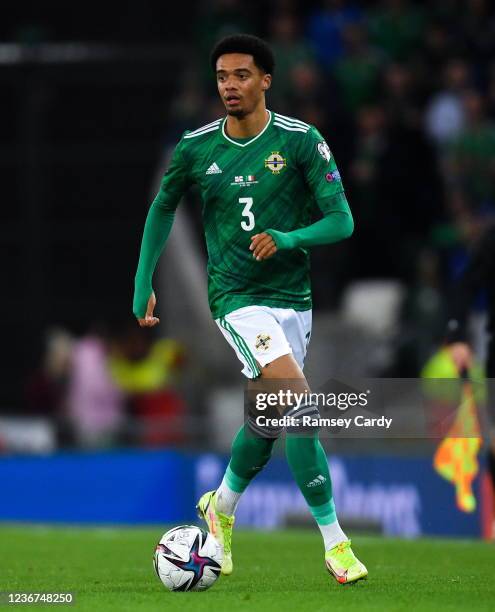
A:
x: 187, y: 558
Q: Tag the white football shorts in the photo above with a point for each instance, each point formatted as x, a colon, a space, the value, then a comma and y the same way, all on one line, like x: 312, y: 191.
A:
x: 261, y: 334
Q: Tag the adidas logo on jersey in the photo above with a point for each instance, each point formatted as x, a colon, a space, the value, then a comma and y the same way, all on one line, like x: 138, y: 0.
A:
x: 319, y: 480
x: 213, y: 169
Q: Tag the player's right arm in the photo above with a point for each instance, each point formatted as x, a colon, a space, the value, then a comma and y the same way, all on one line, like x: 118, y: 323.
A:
x: 323, y: 180
x: 156, y: 230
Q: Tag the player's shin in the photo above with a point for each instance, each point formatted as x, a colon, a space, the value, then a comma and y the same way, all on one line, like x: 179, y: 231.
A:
x: 309, y: 466
x: 251, y: 451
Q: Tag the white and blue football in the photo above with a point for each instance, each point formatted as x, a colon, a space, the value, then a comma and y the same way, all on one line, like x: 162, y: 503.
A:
x: 187, y: 558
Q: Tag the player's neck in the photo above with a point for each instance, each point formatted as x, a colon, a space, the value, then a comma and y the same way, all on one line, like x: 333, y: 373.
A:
x: 248, y: 126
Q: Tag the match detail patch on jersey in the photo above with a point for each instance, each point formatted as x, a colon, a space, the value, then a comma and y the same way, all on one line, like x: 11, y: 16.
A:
x: 214, y: 169
x: 275, y: 162
x: 262, y: 343
x: 324, y: 150
x: 244, y: 181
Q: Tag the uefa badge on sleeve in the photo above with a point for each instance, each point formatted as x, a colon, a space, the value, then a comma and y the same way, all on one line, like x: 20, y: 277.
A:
x: 333, y: 176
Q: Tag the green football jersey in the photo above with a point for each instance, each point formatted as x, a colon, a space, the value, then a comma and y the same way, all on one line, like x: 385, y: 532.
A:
x: 273, y: 180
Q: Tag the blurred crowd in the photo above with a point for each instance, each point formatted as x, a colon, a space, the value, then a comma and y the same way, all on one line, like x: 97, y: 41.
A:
x: 104, y: 389
x: 404, y: 93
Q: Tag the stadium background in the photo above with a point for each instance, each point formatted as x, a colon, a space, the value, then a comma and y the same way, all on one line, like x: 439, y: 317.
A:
x: 100, y: 420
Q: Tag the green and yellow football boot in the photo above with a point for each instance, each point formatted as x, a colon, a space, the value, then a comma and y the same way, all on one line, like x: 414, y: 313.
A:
x: 343, y: 565
x: 220, y: 526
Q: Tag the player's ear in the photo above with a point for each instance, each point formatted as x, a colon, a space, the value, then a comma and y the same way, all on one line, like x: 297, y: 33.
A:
x: 266, y: 82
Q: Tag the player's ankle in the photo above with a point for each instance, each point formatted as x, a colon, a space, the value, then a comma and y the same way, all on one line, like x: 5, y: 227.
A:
x: 332, y: 535
x: 226, y: 499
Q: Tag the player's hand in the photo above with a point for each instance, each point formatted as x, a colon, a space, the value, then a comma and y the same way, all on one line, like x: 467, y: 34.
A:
x: 149, y: 320
x: 263, y: 246
x: 462, y: 355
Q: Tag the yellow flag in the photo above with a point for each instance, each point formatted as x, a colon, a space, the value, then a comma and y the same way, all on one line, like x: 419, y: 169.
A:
x: 456, y: 458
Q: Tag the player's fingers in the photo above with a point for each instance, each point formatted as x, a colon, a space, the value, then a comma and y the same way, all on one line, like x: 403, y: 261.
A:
x: 259, y: 238
x: 272, y: 252
x: 148, y: 321
x: 267, y: 251
x: 263, y: 246
x: 252, y: 245
x: 266, y: 240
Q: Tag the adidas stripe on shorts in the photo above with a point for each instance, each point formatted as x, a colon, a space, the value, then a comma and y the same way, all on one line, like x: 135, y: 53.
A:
x: 260, y: 334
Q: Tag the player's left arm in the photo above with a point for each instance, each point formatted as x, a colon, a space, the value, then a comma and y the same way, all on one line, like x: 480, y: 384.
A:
x: 323, y: 179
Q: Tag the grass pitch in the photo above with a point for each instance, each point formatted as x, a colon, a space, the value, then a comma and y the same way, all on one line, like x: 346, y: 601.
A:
x: 110, y: 569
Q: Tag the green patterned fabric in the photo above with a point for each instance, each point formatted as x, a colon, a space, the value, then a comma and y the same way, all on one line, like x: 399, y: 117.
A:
x: 271, y: 181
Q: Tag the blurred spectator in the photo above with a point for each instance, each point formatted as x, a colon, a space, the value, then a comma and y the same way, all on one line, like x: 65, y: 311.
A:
x: 393, y: 164
x: 308, y: 97
x: 186, y: 107
x: 369, y: 146
x: 356, y: 72
x: 216, y: 19
x: 423, y: 315
x: 472, y: 153
x: 430, y: 57
x: 290, y: 51
x: 444, y: 115
x: 399, y: 96
x: 410, y: 196
x: 461, y: 214
x: 146, y: 371
x: 139, y: 364
x: 490, y: 91
x: 45, y: 390
x: 326, y: 26
x: 95, y: 406
x: 476, y: 29
x: 397, y: 27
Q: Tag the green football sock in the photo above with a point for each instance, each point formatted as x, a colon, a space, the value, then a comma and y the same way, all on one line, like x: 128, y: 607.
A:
x: 249, y: 456
x: 308, y: 463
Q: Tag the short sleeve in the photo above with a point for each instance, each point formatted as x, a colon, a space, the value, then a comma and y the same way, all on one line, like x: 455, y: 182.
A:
x: 319, y: 169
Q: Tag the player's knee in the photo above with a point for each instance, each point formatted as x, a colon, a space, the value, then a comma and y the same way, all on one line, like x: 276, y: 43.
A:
x: 263, y: 429
x: 303, y: 420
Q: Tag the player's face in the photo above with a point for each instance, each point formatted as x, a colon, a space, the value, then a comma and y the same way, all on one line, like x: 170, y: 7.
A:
x: 241, y: 84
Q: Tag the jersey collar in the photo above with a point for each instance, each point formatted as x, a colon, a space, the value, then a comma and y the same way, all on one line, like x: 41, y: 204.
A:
x: 245, y: 144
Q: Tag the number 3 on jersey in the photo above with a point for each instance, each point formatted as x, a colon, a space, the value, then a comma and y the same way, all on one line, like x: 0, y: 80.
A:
x: 246, y: 212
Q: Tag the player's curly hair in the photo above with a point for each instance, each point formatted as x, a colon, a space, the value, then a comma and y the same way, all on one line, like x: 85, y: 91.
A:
x: 245, y: 43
